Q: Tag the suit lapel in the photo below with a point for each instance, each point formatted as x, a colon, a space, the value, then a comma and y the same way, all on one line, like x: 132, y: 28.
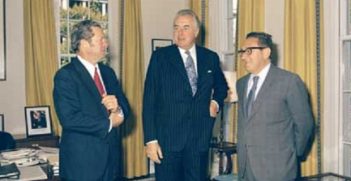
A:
x: 264, y: 89
x: 105, y: 78
x: 201, y: 66
x: 86, y: 79
x: 176, y: 60
x: 243, y: 93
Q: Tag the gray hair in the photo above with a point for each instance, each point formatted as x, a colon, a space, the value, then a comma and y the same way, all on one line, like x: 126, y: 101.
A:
x: 188, y: 12
x: 82, y: 31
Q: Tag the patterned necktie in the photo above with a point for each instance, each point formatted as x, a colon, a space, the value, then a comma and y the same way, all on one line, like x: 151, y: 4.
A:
x: 98, y: 82
x: 190, y: 69
x: 251, y: 97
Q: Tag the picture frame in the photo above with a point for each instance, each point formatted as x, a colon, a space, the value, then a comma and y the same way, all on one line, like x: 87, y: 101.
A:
x: 2, y: 122
x: 64, y: 61
x: 38, y: 120
x: 158, y: 43
x: 2, y: 41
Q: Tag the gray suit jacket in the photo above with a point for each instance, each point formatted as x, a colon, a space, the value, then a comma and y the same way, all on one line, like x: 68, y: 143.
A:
x: 278, y: 129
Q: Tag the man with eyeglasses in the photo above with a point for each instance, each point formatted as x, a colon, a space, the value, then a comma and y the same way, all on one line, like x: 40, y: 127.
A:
x: 275, y: 120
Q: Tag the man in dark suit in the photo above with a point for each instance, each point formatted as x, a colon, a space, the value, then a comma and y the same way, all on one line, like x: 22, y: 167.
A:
x: 275, y: 119
x: 184, y: 90
x: 90, y: 105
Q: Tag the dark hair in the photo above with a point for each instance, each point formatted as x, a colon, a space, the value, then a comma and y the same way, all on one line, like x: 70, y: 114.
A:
x: 264, y: 39
x: 189, y: 12
x: 82, y: 31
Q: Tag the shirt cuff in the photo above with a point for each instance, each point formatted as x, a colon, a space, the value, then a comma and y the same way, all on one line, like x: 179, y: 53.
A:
x: 152, y: 141
x: 120, y: 114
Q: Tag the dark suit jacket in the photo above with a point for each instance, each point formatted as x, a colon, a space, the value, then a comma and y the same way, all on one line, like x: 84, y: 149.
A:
x: 278, y: 129
x: 86, y: 147
x: 170, y: 113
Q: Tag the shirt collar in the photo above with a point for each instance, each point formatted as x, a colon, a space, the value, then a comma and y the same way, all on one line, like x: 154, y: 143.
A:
x: 263, y: 73
x: 89, y: 66
x: 192, y: 51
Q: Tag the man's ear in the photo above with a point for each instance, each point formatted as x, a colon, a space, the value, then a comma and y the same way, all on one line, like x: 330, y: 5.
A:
x: 197, y: 32
x: 84, y: 43
x: 267, y: 52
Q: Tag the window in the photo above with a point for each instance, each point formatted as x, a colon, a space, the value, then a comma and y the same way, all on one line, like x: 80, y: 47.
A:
x: 345, y: 75
x: 74, y: 11
x: 233, y: 19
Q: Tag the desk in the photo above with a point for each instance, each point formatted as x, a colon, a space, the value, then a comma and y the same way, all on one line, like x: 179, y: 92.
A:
x: 228, y: 149
x: 34, y: 142
x: 49, y: 172
x: 48, y: 141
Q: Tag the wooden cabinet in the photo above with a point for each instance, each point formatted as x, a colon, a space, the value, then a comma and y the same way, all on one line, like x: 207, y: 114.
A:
x: 48, y: 141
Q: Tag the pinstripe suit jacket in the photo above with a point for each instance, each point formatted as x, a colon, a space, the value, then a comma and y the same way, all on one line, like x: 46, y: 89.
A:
x: 171, y: 114
x: 278, y: 129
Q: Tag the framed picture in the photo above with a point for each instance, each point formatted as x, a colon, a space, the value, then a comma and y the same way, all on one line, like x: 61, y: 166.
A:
x: 158, y: 43
x: 38, y: 121
x: 64, y: 61
x: 2, y: 123
x: 2, y: 42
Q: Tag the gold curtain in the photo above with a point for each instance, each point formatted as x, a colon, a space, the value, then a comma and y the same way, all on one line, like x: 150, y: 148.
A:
x: 300, y: 56
x: 135, y: 161
x: 250, y: 18
x: 200, y: 7
x: 41, y: 56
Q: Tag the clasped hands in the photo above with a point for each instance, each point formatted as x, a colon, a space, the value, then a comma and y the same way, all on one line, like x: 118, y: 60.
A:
x: 111, y: 104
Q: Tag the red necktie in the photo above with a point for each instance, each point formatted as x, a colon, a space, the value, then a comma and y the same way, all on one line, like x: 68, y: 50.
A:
x: 98, y: 82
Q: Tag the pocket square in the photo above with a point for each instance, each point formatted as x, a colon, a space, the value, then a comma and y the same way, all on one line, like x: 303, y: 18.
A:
x: 209, y: 71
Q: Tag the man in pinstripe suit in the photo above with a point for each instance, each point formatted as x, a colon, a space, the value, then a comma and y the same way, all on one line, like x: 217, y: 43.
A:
x: 180, y: 105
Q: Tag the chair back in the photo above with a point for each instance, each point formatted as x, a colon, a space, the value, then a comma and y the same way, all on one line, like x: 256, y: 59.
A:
x: 7, y: 142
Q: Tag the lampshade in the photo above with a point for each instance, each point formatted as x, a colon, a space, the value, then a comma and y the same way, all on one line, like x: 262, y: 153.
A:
x: 230, y: 76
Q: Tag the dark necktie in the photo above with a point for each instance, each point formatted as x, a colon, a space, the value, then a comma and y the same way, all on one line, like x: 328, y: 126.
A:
x: 190, y: 69
x: 98, y: 82
x: 251, y: 96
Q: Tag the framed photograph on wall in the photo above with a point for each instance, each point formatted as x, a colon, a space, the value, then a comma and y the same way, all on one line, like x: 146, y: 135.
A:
x: 158, y: 43
x: 38, y: 121
x: 2, y: 42
x: 2, y: 123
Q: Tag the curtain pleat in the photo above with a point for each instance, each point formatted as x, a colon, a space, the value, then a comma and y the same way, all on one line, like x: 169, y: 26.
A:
x: 200, y: 7
x: 300, y: 56
x: 135, y: 161
x: 250, y: 18
x: 41, y: 56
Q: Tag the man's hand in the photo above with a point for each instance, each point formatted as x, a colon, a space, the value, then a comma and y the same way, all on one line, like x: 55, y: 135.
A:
x: 110, y: 102
x: 116, y: 119
x: 154, y: 152
x: 213, y: 109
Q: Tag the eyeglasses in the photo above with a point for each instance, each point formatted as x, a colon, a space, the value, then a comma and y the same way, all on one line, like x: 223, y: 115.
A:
x: 248, y: 50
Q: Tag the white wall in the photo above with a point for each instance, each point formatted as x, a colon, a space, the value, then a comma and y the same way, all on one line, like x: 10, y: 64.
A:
x: 158, y: 21
x: 332, y: 114
x: 12, y: 91
x: 274, y: 25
